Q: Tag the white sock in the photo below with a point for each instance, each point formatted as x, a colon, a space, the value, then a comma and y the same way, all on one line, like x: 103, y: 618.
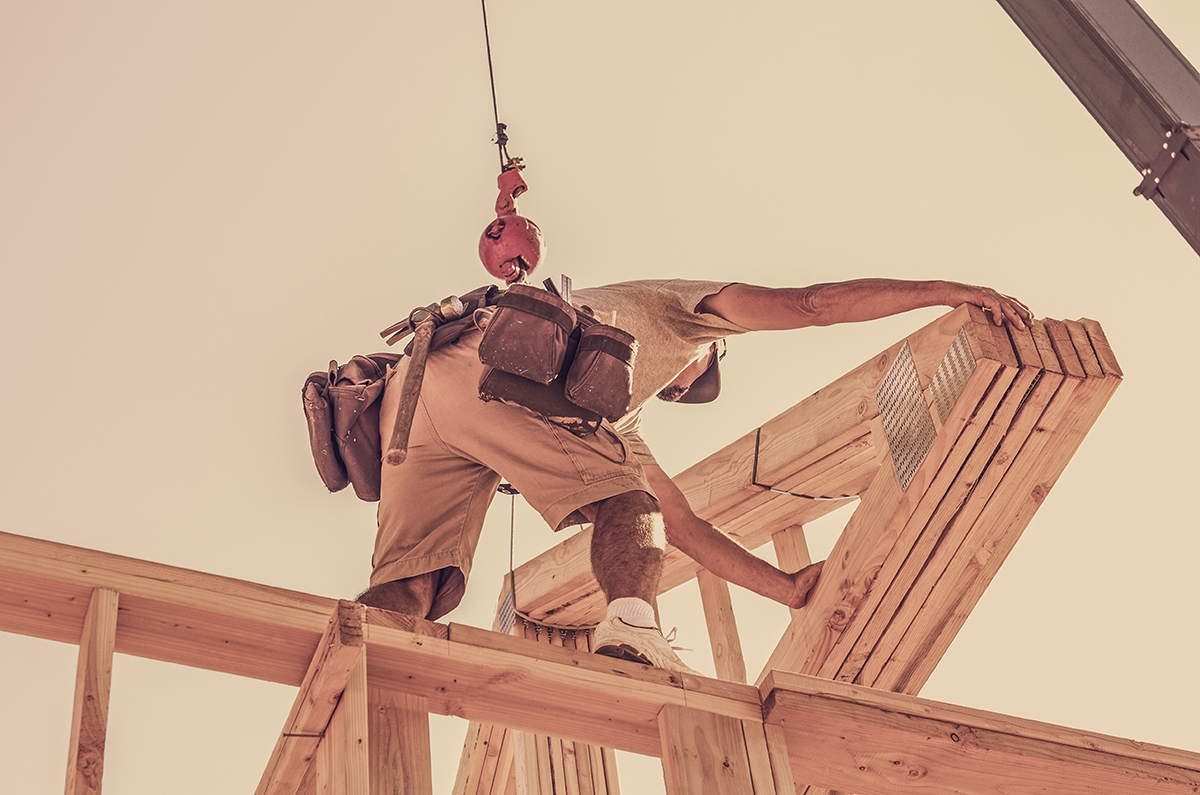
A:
x: 633, y: 611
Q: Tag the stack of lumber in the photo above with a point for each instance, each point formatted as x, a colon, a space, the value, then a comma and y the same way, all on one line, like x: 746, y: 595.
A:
x: 911, y: 564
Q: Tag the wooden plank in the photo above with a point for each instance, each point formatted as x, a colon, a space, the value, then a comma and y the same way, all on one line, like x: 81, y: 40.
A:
x: 326, y: 678
x: 1083, y: 349
x: 871, y: 742
x: 722, y: 627
x: 611, y: 779
x: 1045, y: 349
x: 167, y: 613
x: 1104, y: 352
x: 345, y: 745
x: 470, y: 761
x: 488, y: 677
x: 570, y: 767
x: 93, y: 684
x: 525, y: 764
x: 398, y: 742
x: 1060, y: 340
x: 583, y: 751
x: 767, y: 777
x: 703, y: 753
x: 954, y: 484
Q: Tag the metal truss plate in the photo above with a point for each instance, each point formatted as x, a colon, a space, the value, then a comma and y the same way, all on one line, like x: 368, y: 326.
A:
x: 952, y: 376
x: 906, y: 419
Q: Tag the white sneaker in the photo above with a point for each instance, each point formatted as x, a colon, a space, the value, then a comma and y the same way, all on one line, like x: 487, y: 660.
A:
x: 615, y: 638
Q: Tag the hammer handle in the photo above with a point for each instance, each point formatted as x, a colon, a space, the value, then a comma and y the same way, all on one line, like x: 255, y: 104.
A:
x: 409, y: 395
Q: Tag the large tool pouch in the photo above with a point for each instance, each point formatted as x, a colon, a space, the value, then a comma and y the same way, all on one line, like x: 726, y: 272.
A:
x: 576, y: 374
x: 341, y: 405
x: 528, y: 334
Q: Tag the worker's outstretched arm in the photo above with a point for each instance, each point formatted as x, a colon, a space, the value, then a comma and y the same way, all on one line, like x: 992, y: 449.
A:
x: 720, y: 554
x: 762, y: 308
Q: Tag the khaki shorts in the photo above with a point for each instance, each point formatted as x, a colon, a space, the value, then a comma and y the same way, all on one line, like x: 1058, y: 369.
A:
x: 432, y: 506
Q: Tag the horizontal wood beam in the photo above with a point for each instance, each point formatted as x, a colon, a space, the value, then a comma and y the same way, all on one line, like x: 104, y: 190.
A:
x: 841, y: 736
x: 540, y: 688
x: 246, y: 629
x: 856, y: 739
x: 167, y: 613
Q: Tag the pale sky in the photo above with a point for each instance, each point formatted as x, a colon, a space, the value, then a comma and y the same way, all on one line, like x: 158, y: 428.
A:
x: 201, y: 203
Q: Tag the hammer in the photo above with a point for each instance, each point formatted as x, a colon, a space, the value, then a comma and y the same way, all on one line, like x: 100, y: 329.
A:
x: 423, y: 322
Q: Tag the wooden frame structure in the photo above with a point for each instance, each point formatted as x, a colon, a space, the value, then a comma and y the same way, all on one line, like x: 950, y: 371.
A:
x: 952, y: 438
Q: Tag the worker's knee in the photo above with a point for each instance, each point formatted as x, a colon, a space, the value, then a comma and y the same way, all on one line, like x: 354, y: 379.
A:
x: 634, y: 515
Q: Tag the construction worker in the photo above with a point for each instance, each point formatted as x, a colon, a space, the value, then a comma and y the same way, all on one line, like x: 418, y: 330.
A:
x: 432, y: 506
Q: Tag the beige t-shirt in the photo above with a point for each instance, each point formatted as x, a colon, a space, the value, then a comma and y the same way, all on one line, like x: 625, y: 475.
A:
x: 661, y: 315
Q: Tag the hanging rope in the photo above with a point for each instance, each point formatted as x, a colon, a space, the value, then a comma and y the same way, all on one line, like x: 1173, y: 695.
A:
x: 501, y: 136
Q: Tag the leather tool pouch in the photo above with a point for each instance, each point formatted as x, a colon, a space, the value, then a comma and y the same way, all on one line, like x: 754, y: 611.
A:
x: 601, y: 376
x: 341, y: 405
x: 547, y: 399
x: 529, y: 334
x: 576, y: 375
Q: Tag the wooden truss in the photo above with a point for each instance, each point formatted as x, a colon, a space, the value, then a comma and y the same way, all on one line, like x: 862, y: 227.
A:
x: 950, y: 439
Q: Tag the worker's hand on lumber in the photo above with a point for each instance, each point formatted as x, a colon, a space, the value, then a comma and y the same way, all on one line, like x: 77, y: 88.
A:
x: 763, y: 308
x: 803, y: 583
x: 1001, y: 307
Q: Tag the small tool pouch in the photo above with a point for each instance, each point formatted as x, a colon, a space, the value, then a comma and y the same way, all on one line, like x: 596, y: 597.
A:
x: 600, y: 378
x: 529, y: 334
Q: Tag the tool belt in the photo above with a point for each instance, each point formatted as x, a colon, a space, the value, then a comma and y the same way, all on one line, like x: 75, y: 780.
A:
x: 342, y: 402
x: 542, y: 354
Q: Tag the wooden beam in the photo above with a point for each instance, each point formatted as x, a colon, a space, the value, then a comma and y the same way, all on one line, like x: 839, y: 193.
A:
x: 722, y: 627
x: 344, y: 749
x: 992, y: 538
x: 326, y: 679
x: 956, y: 484
x: 167, y: 613
x: 401, y: 760
x: 93, y: 682
x: 871, y: 742
x: 770, y: 768
x: 704, y: 754
x: 488, y: 677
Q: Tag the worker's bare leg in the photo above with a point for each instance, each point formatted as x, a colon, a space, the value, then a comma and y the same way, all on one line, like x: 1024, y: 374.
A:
x: 628, y: 540
x: 412, y: 596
